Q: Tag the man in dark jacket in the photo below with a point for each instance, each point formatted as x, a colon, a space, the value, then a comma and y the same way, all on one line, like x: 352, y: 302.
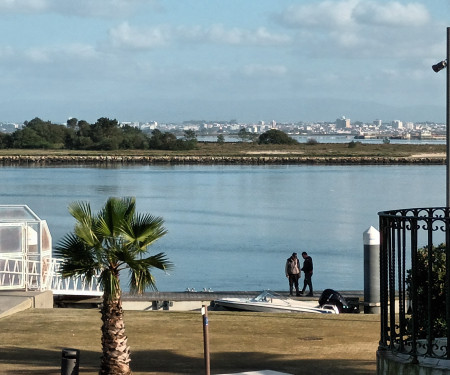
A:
x: 308, y: 271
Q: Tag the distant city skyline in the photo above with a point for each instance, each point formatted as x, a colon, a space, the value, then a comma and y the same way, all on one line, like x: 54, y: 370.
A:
x: 253, y: 60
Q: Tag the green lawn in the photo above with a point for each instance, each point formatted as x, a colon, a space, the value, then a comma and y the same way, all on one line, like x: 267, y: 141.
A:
x: 172, y: 342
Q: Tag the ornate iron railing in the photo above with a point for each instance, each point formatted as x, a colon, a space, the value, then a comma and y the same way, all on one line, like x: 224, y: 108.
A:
x: 414, y: 284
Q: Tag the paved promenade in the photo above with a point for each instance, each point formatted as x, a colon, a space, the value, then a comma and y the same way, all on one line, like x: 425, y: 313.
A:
x: 16, y: 300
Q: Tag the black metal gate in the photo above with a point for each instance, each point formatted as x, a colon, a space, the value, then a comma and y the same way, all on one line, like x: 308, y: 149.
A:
x: 414, y: 284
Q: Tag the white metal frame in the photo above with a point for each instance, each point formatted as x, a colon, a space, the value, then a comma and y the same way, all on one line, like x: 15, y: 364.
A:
x: 32, y: 267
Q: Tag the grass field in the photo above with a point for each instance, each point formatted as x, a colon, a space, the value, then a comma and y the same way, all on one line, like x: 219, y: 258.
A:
x: 252, y: 149
x: 172, y: 342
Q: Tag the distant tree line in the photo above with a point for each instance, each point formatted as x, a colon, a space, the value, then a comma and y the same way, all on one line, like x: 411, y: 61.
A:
x: 105, y: 134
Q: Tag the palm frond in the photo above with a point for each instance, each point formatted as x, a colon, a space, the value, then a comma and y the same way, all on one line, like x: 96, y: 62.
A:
x: 144, y: 230
x: 140, y: 281
x: 85, y: 232
x: 140, y: 269
x: 81, y: 211
x: 113, y: 239
x: 158, y: 261
x: 117, y: 210
x: 78, y: 259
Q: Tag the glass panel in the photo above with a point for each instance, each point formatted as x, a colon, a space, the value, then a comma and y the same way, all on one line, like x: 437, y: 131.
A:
x: 46, y: 238
x: 14, y: 213
x: 10, y: 239
x: 32, y: 238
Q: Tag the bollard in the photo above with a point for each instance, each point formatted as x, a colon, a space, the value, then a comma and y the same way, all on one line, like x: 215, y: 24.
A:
x: 70, y: 361
x: 371, y: 239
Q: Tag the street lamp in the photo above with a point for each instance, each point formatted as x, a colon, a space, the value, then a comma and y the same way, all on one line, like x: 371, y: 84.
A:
x: 438, y: 67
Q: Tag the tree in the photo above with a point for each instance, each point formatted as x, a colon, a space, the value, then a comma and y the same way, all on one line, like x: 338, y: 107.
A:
x: 190, y: 138
x: 275, y: 136
x: 220, y: 139
x: 40, y: 134
x: 244, y: 135
x: 106, y: 134
x: 114, y: 239
x: 72, y: 123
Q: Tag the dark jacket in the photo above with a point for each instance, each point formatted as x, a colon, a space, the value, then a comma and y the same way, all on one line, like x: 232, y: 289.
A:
x: 307, y: 265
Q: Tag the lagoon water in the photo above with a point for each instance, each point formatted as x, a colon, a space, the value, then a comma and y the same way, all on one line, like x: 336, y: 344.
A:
x: 232, y: 227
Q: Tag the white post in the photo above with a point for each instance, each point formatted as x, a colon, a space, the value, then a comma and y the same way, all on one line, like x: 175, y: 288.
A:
x: 371, y: 239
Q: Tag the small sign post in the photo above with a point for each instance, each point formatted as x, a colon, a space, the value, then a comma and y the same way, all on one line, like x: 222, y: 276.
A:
x: 205, y: 339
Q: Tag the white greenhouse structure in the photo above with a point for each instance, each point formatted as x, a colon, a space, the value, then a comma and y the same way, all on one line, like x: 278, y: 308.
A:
x: 25, y: 249
x: 26, y: 261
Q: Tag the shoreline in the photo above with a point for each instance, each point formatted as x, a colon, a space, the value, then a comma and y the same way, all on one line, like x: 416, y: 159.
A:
x: 30, y: 160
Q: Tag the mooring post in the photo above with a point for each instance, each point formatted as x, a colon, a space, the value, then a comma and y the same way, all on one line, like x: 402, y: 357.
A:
x: 371, y: 239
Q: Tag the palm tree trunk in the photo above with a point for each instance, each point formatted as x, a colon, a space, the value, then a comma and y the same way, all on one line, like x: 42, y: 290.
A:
x: 116, y: 352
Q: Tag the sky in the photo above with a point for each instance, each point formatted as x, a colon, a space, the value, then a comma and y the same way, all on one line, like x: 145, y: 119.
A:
x: 217, y: 60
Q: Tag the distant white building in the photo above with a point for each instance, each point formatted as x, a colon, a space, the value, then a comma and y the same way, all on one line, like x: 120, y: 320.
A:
x: 397, y: 124
x: 343, y: 123
x: 377, y: 122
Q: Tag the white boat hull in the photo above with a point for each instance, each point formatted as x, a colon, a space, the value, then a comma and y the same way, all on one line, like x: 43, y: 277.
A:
x: 267, y: 302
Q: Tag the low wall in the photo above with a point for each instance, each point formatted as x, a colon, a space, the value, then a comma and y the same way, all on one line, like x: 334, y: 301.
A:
x: 389, y: 363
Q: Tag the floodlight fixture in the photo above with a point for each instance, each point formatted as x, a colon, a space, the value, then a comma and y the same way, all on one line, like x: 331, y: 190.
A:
x: 439, y: 66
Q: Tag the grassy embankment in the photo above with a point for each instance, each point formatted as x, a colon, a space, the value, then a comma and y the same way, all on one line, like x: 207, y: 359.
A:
x: 240, y: 149
x: 172, y: 342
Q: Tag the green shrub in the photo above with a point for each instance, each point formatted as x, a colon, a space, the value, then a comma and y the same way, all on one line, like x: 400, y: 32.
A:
x: 312, y: 141
x: 353, y: 144
x: 275, y: 136
x: 438, y: 287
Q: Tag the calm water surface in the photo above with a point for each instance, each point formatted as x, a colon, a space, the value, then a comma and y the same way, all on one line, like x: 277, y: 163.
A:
x: 232, y: 227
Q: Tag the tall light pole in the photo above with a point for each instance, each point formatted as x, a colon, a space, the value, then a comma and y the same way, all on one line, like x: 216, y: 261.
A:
x: 437, y: 67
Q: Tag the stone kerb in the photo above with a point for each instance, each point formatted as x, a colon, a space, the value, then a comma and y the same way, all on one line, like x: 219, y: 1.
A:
x: 176, y: 159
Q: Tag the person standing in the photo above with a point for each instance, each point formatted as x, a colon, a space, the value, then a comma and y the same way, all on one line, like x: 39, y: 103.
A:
x: 292, y: 271
x: 308, y: 271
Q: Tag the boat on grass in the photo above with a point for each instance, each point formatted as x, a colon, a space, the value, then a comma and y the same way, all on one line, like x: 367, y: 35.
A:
x: 269, y: 301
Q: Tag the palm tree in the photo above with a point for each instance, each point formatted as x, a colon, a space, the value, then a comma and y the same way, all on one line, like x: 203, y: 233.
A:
x: 114, y: 239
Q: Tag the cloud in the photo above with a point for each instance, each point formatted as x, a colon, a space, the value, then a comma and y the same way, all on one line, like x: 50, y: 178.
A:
x: 351, y: 13
x: 323, y: 14
x: 125, y: 36
x: 362, y: 29
x: 69, y: 52
x: 390, y: 14
x: 24, y: 6
x: 81, y: 8
x: 237, y: 36
x: 130, y: 37
x: 264, y: 70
